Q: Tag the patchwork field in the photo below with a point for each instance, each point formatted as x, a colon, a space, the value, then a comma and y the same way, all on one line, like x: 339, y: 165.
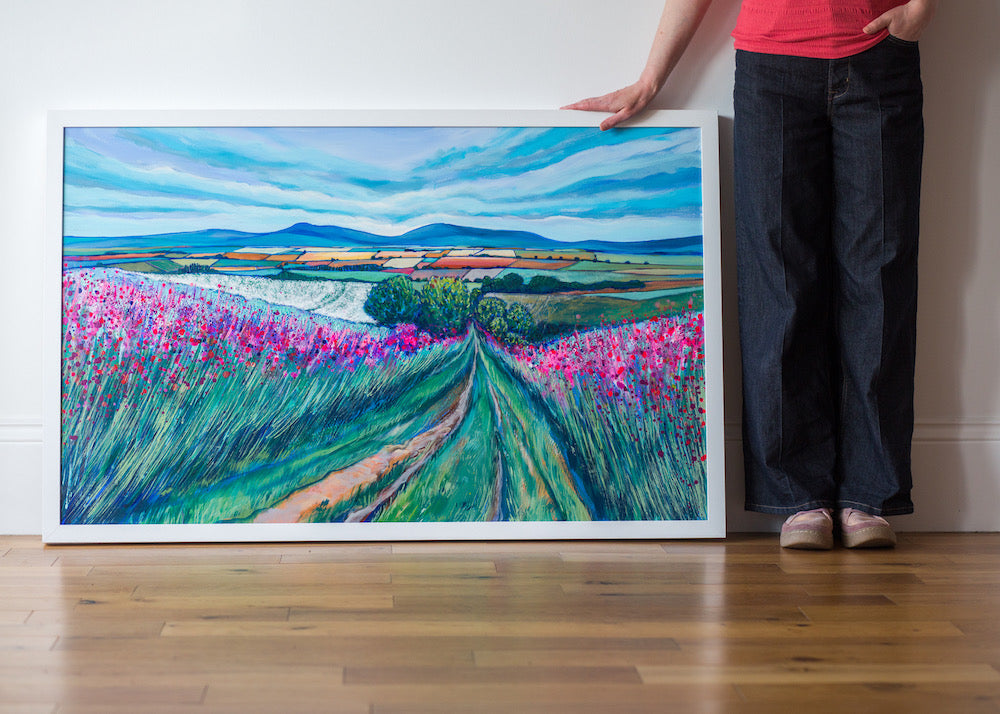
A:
x: 579, y: 288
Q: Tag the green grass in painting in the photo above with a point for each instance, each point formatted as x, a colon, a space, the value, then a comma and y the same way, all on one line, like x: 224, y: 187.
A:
x: 539, y: 484
x: 635, y: 463
x: 458, y: 482
x: 224, y: 450
x: 504, y: 431
x: 557, y: 314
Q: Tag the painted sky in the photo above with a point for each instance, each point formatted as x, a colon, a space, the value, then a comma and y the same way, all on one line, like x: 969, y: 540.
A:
x: 568, y: 184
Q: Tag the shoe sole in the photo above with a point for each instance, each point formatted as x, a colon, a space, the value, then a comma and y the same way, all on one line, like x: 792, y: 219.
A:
x: 877, y: 537
x: 807, y: 540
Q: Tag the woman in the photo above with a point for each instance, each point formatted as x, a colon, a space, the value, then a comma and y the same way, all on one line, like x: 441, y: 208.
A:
x: 828, y: 137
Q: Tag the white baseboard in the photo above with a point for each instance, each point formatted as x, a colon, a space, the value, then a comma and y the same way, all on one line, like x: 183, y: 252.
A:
x: 20, y: 431
x: 956, y: 468
x: 959, y: 430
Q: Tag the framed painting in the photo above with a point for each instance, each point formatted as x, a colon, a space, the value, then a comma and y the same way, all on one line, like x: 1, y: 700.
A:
x: 382, y: 325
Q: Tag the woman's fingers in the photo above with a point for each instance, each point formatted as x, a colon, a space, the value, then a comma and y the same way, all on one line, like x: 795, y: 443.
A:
x: 621, y: 104
x: 907, y: 22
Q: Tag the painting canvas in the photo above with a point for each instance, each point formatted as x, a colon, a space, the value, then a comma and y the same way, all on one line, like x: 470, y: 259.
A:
x: 383, y: 326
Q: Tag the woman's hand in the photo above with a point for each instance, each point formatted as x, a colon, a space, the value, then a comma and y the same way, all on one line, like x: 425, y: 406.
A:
x: 678, y: 22
x: 907, y: 22
x: 622, y: 104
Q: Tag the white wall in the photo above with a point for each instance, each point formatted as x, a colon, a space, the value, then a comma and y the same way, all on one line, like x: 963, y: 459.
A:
x: 524, y: 54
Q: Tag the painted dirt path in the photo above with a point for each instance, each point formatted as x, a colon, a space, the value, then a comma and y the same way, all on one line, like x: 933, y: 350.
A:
x: 338, y: 484
x: 492, y: 456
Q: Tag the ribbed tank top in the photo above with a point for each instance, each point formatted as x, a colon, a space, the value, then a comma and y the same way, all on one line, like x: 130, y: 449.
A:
x: 825, y: 29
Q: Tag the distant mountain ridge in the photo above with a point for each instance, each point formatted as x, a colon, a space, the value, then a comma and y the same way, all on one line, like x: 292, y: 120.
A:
x: 434, y: 235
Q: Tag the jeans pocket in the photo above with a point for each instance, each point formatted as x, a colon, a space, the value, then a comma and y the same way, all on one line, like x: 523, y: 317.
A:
x: 892, y: 39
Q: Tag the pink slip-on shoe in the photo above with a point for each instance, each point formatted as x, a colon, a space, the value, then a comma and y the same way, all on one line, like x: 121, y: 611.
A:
x: 863, y: 530
x: 808, y: 530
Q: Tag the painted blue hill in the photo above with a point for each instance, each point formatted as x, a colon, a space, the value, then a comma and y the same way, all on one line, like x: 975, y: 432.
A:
x: 435, y: 235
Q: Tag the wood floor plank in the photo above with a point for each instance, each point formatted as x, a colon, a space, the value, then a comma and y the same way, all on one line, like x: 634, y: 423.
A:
x: 137, y: 695
x: 247, y: 572
x: 267, y: 655
x: 619, y: 608
x: 145, y: 555
x: 872, y: 698
x: 28, y: 603
x: 301, y: 706
x: 12, y: 643
x: 283, y: 598
x: 137, y: 613
x: 819, y: 673
x: 20, y: 555
x: 336, y: 553
x: 549, y: 698
x: 896, y: 612
x: 600, y: 656
x: 358, y: 627
x: 15, y: 574
x: 939, y: 593
x: 13, y: 617
x: 499, y: 698
x: 512, y: 675
x: 27, y: 708
x: 82, y: 628
x: 781, y: 653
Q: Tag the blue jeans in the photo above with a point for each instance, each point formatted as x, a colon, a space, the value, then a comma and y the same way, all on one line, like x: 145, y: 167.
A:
x: 827, y: 184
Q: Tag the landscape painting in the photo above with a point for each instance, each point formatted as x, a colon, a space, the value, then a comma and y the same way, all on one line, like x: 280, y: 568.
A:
x: 392, y: 330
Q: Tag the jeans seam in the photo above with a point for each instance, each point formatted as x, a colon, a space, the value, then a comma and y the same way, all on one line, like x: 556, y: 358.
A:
x: 784, y: 337
x: 877, y: 407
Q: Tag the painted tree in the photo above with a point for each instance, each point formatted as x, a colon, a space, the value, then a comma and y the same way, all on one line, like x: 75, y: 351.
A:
x: 491, y: 314
x: 445, y: 306
x: 520, y: 323
x: 509, y: 283
x: 393, y: 301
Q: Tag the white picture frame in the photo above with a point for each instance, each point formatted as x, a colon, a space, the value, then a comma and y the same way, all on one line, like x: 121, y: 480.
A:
x: 78, y: 199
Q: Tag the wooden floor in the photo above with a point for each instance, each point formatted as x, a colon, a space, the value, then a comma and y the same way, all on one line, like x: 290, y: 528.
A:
x: 730, y: 626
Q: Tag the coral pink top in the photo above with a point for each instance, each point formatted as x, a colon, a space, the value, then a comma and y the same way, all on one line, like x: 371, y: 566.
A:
x: 826, y: 29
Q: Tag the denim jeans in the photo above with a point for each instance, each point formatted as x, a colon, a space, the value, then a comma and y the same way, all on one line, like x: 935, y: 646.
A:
x: 827, y: 184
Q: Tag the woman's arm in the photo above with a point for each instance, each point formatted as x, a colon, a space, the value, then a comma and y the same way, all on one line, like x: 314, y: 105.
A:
x: 678, y: 23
